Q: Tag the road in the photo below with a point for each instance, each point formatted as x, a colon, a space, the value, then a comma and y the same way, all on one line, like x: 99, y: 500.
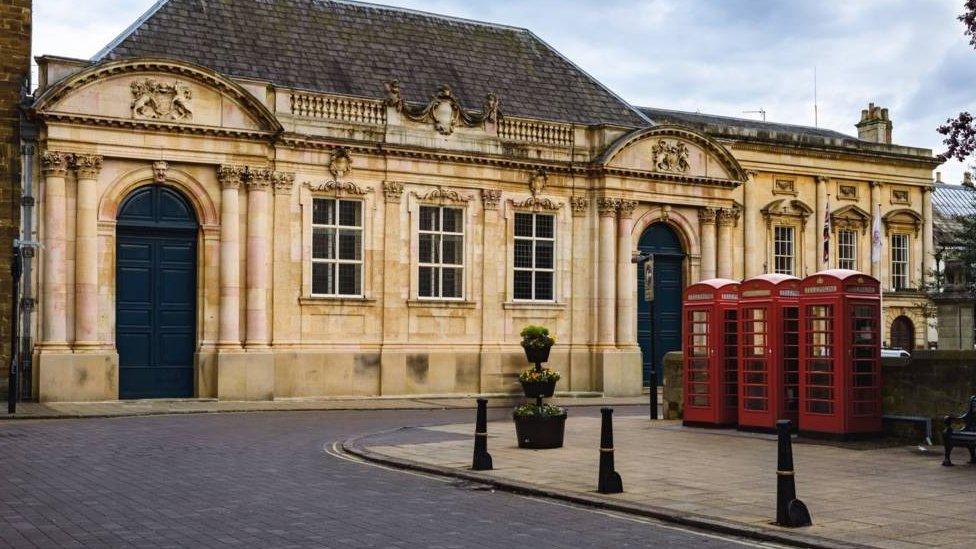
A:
x: 271, y: 480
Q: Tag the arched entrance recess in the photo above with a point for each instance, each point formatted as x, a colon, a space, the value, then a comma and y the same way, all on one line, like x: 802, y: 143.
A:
x: 903, y: 333
x: 155, y: 300
x: 659, y: 326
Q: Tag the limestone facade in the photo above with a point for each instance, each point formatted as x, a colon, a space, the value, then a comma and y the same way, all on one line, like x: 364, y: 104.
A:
x: 263, y: 165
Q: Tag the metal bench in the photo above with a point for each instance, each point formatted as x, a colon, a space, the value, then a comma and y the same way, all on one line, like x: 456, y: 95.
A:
x: 965, y: 437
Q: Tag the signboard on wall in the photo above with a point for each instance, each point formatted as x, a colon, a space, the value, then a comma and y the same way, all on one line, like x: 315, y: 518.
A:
x: 649, y: 279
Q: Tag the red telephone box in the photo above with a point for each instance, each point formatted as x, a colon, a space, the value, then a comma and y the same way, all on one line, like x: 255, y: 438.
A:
x: 710, y: 315
x: 769, y: 353
x: 840, y: 362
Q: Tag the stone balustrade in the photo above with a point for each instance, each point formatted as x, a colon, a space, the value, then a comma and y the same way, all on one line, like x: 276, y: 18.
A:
x: 337, y: 107
x: 535, y: 131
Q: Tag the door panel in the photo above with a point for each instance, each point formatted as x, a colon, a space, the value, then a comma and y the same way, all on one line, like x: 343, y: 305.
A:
x: 662, y: 333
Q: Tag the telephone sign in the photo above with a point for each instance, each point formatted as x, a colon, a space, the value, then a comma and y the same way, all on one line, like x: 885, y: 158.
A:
x: 649, y: 279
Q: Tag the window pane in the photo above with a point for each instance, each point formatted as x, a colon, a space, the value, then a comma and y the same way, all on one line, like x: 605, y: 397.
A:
x: 323, y: 211
x: 350, y: 244
x: 523, y: 284
x: 452, y: 283
x: 349, y: 283
x: 428, y: 218
x: 452, y: 221
x: 323, y: 278
x: 425, y: 285
x: 543, y: 254
x: 543, y: 285
x: 523, y: 224
x: 323, y: 243
x: 452, y: 252
x: 428, y: 248
x: 523, y: 253
x: 350, y: 213
x: 544, y: 226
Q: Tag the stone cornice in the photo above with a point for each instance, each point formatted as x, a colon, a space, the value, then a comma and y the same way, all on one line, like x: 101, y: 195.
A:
x: 154, y: 125
x: 833, y: 154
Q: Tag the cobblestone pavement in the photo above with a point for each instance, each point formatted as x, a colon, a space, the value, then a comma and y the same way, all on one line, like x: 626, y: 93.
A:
x: 267, y: 480
x: 860, y: 493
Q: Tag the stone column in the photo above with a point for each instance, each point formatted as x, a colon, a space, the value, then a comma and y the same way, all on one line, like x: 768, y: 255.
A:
x: 285, y: 315
x: 752, y: 239
x: 86, y: 167
x: 819, y: 222
x: 230, y: 261
x: 726, y: 220
x: 626, y: 273
x: 928, y: 236
x: 706, y: 216
x: 875, y: 210
x: 54, y: 332
x: 606, y: 269
x: 257, y: 274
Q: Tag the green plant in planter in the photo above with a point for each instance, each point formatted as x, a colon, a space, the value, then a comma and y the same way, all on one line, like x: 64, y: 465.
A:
x: 537, y: 337
x: 544, y: 375
x: 538, y: 410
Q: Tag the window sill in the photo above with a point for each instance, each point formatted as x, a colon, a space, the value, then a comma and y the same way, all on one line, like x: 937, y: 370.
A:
x: 441, y: 303
x: 338, y: 301
x: 533, y: 305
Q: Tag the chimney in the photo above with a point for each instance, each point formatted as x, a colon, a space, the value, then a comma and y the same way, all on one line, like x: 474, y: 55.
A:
x: 874, y: 125
x: 938, y: 177
x: 967, y: 180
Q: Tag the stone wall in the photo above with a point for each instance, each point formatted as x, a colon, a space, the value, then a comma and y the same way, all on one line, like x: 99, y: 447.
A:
x: 15, y: 33
x: 932, y: 384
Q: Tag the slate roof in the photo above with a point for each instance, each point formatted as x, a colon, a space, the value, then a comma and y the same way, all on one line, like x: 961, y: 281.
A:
x: 714, y: 122
x: 354, y: 48
x: 949, y: 202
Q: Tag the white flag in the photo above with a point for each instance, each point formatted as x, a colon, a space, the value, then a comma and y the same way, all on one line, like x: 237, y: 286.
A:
x: 876, y: 241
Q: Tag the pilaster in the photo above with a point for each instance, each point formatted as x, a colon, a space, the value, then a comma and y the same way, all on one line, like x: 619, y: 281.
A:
x: 606, y: 277
x: 707, y: 217
x: 258, y: 266
x: 54, y: 328
x: 626, y: 276
x: 727, y: 218
x: 230, y: 178
x: 87, y: 167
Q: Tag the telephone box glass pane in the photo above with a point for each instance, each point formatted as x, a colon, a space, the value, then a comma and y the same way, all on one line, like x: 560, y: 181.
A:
x: 820, y: 354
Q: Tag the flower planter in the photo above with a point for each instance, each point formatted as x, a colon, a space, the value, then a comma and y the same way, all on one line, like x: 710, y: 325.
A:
x: 535, y: 389
x: 540, y: 432
x: 537, y: 355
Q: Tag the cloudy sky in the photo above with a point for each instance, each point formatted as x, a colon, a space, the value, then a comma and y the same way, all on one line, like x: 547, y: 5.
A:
x: 718, y: 56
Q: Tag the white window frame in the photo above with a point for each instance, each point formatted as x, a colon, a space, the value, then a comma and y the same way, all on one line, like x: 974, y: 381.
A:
x: 439, y: 265
x: 904, y: 262
x: 533, y: 269
x: 791, y: 256
x: 335, y: 260
x: 850, y: 246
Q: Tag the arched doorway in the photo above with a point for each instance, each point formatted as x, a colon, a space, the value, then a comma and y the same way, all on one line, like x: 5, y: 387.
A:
x: 155, y: 293
x: 903, y: 333
x: 659, y: 326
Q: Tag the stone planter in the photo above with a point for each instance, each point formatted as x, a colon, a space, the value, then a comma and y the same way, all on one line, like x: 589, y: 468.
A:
x: 535, y: 389
x: 537, y: 355
x: 540, y: 432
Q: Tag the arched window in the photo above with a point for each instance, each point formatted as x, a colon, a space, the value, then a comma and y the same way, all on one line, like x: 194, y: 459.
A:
x: 903, y: 333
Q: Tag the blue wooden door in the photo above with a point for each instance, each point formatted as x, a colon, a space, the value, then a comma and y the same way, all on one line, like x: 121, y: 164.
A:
x: 155, y: 294
x: 662, y: 333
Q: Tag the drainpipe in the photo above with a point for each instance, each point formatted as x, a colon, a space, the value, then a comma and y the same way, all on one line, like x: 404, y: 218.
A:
x: 27, y: 245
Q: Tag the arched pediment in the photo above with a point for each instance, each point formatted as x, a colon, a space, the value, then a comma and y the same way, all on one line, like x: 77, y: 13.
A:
x: 673, y: 152
x: 903, y: 218
x: 787, y: 207
x: 156, y: 93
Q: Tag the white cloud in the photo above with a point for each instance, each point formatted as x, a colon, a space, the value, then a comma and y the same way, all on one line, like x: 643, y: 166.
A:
x: 718, y: 57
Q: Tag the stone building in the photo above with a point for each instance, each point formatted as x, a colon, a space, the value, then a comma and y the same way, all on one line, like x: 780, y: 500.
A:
x: 15, y: 20
x: 250, y: 200
x: 953, y: 300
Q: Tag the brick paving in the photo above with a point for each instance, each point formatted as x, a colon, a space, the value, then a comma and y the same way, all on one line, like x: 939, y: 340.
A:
x: 884, y: 497
x: 265, y: 480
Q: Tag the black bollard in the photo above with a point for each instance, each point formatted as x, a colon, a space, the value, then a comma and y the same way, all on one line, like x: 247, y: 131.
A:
x: 609, y: 481
x: 790, y: 511
x: 482, y: 459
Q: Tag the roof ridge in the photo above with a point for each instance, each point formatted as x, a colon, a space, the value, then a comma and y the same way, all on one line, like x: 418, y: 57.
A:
x: 375, y: 6
x: 129, y: 30
x: 750, y: 120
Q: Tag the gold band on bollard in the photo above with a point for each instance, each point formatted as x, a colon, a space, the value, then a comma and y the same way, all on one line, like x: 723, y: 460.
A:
x: 785, y: 473
x: 606, y: 449
x: 484, y: 434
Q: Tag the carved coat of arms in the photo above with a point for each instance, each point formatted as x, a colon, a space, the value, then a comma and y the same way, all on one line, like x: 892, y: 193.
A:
x: 158, y: 101
x: 670, y: 157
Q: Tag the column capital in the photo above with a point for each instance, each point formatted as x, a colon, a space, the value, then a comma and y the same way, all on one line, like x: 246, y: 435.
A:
x: 258, y: 179
x: 927, y: 189
x: 607, y: 206
x: 821, y: 179
x: 230, y: 176
x: 490, y: 198
x: 728, y: 216
x: 875, y: 184
x: 751, y: 174
x: 392, y: 191
x: 55, y: 163
x: 707, y: 215
x: 86, y: 166
x: 283, y: 182
x: 579, y: 204
x: 625, y: 208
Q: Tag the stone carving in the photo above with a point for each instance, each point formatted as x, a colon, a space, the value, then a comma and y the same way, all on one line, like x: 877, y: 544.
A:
x: 670, y: 157
x: 337, y: 187
x: 626, y: 208
x: 443, y: 109
x: 707, y: 215
x: 665, y: 213
x: 607, y: 206
x: 538, y: 182
x: 157, y: 101
x: 392, y: 191
x: 490, y: 198
x: 230, y: 176
x: 159, y: 168
x: 580, y: 204
x: 55, y: 163
x: 87, y: 166
x: 728, y: 216
x: 259, y: 179
x: 283, y: 181
x: 340, y: 164
x: 900, y: 196
x: 784, y: 186
x: 535, y: 204
x: 847, y: 192
x: 441, y: 194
